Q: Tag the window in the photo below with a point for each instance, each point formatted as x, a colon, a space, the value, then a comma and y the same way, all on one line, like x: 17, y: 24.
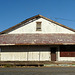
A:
x: 38, y: 26
x: 67, y: 51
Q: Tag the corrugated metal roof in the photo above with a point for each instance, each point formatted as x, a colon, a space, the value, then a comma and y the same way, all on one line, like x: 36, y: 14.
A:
x: 36, y: 39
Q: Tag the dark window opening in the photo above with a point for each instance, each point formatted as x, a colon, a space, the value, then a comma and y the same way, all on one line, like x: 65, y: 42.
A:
x: 38, y: 26
x: 67, y: 51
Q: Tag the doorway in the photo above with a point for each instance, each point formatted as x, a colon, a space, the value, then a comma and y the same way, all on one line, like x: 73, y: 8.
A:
x: 53, y: 53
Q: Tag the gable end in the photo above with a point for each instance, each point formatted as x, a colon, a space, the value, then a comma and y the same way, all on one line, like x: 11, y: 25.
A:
x: 33, y: 19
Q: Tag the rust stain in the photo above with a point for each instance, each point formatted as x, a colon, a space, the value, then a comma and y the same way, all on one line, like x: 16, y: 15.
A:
x: 38, y: 39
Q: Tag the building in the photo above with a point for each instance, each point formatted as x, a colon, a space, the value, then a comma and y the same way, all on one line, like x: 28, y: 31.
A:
x: 37, y: 39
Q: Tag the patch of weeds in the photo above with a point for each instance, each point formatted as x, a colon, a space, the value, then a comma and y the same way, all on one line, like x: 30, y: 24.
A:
x: 73, y: 64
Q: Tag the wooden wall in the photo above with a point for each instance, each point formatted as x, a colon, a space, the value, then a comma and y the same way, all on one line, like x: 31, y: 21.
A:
x: 36, y: 53
x: 46, y: 27
x: 25, y: 53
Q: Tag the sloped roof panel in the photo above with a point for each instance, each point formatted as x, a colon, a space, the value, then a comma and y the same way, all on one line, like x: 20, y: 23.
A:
x: 37, y: 39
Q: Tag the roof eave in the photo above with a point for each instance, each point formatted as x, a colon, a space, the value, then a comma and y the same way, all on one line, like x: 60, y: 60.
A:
x: 37, y: 16
x: 38, y: 44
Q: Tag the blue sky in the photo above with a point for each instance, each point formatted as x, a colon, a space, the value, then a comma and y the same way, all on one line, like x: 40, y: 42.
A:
x: 13, y: 12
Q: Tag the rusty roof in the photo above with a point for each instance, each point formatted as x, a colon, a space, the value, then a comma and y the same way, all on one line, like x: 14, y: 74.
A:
x: 37, y: 16
x: 37, y: 39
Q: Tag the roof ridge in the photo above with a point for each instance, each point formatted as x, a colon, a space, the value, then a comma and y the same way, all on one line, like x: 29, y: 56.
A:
x: 37, y: 16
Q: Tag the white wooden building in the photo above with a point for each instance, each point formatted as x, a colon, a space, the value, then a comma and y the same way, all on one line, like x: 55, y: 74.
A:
x: 37, y: 39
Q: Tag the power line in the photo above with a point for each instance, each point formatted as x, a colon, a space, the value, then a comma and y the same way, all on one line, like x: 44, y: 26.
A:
x: 63, y: 19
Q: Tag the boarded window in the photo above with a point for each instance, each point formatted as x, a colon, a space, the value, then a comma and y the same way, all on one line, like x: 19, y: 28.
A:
x: 38, y: 26
x: 67, y: 51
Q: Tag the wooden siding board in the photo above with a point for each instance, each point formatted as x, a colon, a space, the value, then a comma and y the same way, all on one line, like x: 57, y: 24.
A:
x: 33, y: 56
x: 45, y: 56
x: 46, y: 27
x: 25, y: 53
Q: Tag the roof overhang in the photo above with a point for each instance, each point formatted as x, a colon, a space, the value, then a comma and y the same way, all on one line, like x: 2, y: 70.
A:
x: 37, y: 39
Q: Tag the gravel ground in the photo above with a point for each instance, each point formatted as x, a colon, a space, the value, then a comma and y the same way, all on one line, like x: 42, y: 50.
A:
x: 38, y: 71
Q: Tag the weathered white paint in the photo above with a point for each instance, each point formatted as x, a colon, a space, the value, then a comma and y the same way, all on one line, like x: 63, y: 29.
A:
x: 30, y: 53
x: 46, y: 27
x: 39, y: 53
x: 24, y: 53
x: 45, y: 56
x: 17, y: 53
x: 22, y: 56
x: 65, y: 58
x: 33, y: 56
x: 13, y: 56
x: 39, y: 56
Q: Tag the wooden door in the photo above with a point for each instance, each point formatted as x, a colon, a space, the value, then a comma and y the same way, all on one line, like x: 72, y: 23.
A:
x: 53, y: 54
